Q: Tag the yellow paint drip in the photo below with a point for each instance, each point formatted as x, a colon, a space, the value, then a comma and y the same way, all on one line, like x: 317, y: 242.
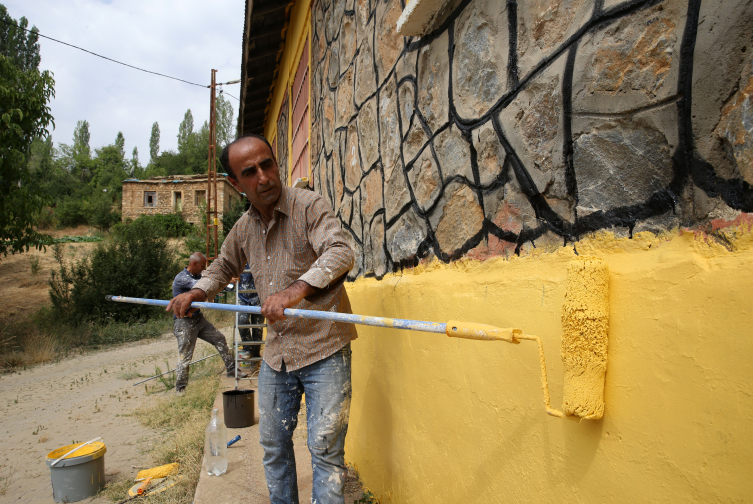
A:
x: 585, y: 325
x: 158, y: 472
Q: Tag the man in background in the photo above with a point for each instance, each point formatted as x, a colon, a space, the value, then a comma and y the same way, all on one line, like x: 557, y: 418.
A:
x: 188, y: 329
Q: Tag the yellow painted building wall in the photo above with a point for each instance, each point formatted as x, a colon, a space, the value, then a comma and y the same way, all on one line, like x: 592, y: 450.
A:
x: 443, y: 420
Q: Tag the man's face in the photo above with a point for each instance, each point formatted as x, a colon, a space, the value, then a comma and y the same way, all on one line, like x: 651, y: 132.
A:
x: 256, y: 172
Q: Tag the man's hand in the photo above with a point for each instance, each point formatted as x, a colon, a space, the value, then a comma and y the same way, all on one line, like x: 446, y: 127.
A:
x: 181, y: 304
x: 274, y: 306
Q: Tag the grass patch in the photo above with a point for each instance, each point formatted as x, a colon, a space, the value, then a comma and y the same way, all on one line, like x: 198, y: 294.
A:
x: 41, y: 337
x: 181, y: 422
x: 219, y: 318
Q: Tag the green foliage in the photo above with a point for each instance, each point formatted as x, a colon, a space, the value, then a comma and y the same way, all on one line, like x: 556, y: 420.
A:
x: 24, y: 115
x: 102, y: 215
x: 225, y: 122
x: 154, y: 142
x: 137, y: 263
x: 185, y: 131
x: 135, y: 165
x: 230, y: 217
x: 76, y: 239
x: 167, y: 226
x: 17, y: 44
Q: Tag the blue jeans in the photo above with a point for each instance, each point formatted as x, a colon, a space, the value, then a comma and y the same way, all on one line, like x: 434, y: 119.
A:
x: 328, y: 391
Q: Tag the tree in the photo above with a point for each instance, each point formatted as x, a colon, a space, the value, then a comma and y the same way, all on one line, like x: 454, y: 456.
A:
x: 77, y: 157
x: 24, y: 115
x: 135, y: 165
x: 154, y: 143
x: 225, y: 128
x: 185, y: 130
x: 81, y: 137
x: 17, y: 44
x: 120, y: 144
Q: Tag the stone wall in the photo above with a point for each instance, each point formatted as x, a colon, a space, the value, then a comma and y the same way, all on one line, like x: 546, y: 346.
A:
x: 514, y: 125
x: 133, y: 197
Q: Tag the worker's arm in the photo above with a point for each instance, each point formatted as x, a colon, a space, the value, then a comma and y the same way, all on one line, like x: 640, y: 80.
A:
x: 335, y: 259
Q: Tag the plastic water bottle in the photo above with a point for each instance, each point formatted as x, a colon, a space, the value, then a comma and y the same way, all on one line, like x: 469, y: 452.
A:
x: 215, y: 446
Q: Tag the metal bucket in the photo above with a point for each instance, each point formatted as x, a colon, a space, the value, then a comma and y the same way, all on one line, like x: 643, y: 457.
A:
x: 238, y: 407
x: 79, y: 476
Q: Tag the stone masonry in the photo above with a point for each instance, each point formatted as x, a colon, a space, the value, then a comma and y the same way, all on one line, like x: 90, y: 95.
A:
x: 513, y: 125
x: 165, y: 192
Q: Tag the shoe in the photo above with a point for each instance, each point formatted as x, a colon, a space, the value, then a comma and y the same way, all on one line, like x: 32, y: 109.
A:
x: 180, y: 393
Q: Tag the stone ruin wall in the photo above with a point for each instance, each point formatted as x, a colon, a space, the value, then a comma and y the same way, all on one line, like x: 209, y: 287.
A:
x: 133, y: 198
x: 514, y: 125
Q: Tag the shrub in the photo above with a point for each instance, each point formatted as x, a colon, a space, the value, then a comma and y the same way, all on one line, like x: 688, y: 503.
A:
x: 168, y: 226
x: 70, y: 213
x: 136, y: 263
x: 102, y: 215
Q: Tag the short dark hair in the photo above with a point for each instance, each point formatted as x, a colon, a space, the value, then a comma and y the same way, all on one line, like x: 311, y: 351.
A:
x: 225, y: 155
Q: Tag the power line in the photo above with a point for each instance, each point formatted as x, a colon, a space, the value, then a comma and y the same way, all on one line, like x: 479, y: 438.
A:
x: 222, y: 91
x: 104, y: 57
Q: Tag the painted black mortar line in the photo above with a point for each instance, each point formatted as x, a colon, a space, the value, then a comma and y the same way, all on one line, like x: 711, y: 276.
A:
x: 571, y: 182
x: 507, y: 98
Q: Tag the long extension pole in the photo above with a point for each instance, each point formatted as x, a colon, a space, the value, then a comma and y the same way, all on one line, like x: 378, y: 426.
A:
x: 453, y: 328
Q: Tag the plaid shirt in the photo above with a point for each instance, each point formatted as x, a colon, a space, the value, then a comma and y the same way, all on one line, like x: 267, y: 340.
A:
x: 304, y: 241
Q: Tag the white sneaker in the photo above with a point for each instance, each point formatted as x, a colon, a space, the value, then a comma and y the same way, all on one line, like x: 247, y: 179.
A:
x: 180, y: 393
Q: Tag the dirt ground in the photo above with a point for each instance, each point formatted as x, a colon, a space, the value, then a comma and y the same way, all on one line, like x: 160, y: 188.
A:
x: 20, y: 291
x: 77, y: 399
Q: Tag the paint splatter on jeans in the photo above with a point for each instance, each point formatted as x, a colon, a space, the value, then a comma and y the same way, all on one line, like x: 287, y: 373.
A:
x: 186, y: 331
x: 328, y: 391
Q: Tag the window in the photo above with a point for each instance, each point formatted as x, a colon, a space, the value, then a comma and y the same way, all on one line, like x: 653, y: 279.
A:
x: 281, y: 141
x: 150, y: 198
x: 300, y: 116
x: 201, y: 197
x: 177, y: 201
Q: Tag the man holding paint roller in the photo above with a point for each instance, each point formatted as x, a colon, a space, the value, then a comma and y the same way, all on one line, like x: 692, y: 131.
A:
x: 298, y: 257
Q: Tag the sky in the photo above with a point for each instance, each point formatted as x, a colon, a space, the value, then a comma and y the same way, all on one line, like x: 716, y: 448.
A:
x: 180, y: 38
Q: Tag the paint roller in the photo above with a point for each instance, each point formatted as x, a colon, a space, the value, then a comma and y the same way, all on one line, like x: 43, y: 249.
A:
x: 585, y: 318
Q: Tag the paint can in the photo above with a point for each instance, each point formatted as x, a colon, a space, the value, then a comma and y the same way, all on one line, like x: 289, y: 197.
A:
x: 78, y: 476
x: 238, y: 408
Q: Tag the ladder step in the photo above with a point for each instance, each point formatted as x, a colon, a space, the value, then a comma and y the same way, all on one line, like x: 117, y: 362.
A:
x: 248, y: 291
x: 246, y: 326
x: 250, y: 343
x: 252, y: 359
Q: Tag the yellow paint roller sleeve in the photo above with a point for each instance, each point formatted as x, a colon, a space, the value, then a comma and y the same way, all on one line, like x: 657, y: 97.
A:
x: 158, y: 472
x: 585, y: 326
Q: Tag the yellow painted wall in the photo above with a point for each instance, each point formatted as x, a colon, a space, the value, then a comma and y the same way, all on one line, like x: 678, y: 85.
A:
x: 440, y: 420
x: 295, y: 38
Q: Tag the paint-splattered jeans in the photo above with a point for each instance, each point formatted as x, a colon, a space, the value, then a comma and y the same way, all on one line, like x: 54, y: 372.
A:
x: 186, y: 331
x: 328, y: 391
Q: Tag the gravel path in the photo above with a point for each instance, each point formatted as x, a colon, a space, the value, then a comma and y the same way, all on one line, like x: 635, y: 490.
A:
x: 80, y: 398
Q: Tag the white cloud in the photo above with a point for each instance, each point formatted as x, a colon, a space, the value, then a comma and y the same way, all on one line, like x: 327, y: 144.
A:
x: 181, y: 38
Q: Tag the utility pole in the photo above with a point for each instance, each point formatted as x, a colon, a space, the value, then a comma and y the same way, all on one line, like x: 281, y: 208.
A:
x: 212, y: 214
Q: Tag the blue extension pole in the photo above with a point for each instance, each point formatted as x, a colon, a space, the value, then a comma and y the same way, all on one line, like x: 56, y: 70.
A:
x: 411, y: 325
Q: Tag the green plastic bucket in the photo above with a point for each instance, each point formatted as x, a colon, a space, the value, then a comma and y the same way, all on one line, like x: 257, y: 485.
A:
x: 80, y: 475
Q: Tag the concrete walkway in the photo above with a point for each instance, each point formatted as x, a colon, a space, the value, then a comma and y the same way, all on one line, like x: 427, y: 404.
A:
x: 244, y: 480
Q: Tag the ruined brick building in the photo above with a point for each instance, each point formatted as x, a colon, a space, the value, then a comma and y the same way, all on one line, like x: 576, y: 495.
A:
x: 175, y: 193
